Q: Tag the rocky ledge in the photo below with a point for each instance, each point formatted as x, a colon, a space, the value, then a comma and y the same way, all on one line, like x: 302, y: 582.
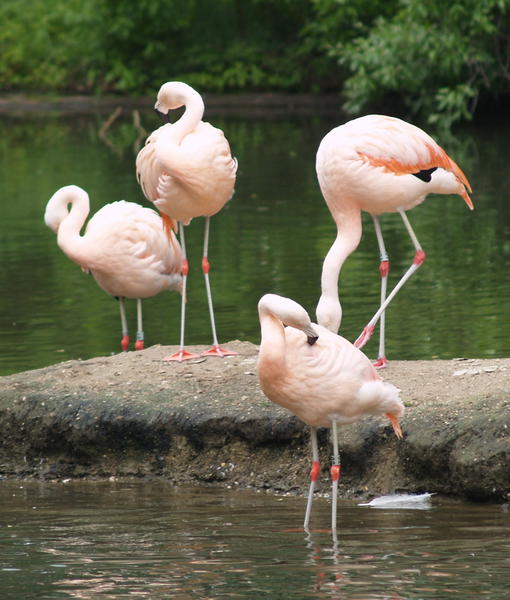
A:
x: 206, y: 421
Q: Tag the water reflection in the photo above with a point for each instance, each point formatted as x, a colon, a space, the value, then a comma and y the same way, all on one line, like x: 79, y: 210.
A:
x: 118, y: 539
x: 272, y: 236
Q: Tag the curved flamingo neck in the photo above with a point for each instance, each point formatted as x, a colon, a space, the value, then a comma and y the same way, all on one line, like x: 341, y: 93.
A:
x: 68, y: 236
x: 191, y: 117
x: 170, y: 136
x: 272, y: 342
x: 329, y: 309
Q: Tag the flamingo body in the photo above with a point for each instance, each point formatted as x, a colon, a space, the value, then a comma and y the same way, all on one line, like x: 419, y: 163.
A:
x: 124, y: 246
x: 329, y: 380
x: 320, y: 377
x: 377, y: 164
x: 187, y: 171
x: 369, y: 163
x: 185, y: 168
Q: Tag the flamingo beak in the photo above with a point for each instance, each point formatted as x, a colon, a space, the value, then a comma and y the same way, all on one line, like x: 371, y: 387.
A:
x: 468, y: 200
x: 163, y: 116
x: 396, y: 425
x: 311, y: 335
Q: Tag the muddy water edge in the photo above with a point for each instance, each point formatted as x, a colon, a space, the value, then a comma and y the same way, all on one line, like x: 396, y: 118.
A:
x: 207, y: 422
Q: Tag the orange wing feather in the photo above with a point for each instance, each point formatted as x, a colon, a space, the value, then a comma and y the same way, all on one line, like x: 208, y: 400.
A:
x: 437, y: 157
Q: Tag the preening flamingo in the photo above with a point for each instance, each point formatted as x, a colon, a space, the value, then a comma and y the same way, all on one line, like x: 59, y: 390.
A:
x: 321, y: 377
x: 377, y: 164
x: 125, y: 247
x: 187, y: 171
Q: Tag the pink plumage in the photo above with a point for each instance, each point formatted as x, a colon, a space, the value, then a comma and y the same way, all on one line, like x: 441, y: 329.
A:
x: 124, y: 247
x: 187, y: 171
x: 319, y: 376
x: 377, y: 164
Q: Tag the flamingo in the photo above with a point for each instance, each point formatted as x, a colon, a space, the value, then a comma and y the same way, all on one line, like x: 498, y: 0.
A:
x: 320, y: 377
x: 125, y: 247
x: 377, y: 164
x: 187, y: 171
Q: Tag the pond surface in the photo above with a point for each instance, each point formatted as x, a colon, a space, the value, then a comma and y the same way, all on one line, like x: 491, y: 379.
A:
x: 272, y: 237
x: 152, y: 540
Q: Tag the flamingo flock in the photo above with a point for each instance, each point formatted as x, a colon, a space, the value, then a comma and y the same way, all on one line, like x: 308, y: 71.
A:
x: 377, y: 164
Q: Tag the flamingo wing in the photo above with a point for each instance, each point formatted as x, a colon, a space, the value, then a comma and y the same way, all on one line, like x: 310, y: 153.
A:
x: 404, y: 149
x: 148, y: 168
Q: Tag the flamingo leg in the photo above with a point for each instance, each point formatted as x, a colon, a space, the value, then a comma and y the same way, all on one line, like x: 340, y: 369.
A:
x: 384, y: 268
x: 124, y: 344
x: 335, y: 476
x: 314, y: 475
x: 182, y: 354
x: 216, y: 349
x: 139, y: 344
x: 419, y: 257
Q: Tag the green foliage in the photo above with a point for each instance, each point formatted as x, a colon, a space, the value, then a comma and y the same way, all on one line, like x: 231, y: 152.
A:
x: 217, y: 45
x: 436, y: 57
x: 42, y: 44
x: 433, y: 58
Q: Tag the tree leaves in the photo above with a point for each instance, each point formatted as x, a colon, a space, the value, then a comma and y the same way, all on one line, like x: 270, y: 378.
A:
x: 432, y: 59
x: 437, y: 57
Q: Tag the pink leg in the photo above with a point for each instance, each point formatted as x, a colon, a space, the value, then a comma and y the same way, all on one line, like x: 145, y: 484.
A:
x: 419, y: 258
x: 384, y: 269
x: 335, y: 477
x: 216, y: 349
x: 139, y: 344
x: 182, y: 354
x: 124, y: 343
x: 314, y: 475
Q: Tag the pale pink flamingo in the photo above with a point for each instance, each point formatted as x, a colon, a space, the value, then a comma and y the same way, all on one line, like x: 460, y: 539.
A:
x: 124, y: 246
x: 377, y: 164
x: 187, y: 171
x: 321, y: 377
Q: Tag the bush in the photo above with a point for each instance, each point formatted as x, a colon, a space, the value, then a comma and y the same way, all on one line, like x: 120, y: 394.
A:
x: 437, y: 57
x: 434, y: 58
x: 42, y: 44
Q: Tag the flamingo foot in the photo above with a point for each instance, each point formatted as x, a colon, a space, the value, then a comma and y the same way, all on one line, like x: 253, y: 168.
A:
x: 365, y: 335
x: 139, y: 345
x: 180, y: 355
x: 219, y: 351
x: 124, y: 343
x: 381, y: 362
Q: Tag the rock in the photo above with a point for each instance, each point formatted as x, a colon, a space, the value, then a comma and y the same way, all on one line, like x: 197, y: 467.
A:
x: 207, y: 421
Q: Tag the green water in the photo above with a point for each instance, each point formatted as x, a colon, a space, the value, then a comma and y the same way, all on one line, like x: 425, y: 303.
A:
x: 151, y: 540
x: 272, y: 237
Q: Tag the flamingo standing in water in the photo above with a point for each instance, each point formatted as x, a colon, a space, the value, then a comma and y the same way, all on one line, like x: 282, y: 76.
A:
x: 378, y: 164
x: 321, y: 377
x: 186, y: 170
x: 125, y: 247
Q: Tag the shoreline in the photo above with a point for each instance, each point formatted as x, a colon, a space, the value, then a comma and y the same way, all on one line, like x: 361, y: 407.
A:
x: 207, y: 422
x: 243, y: 105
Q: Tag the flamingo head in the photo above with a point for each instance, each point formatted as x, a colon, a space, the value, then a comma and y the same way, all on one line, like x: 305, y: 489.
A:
x: 172, y: 95
x: 55, y: 216
x: 289, y: 313
x: 57, y: 207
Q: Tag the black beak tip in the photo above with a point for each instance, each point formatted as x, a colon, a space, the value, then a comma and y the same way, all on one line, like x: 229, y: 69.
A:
x: 312, y: 339
x: 163, y: 116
